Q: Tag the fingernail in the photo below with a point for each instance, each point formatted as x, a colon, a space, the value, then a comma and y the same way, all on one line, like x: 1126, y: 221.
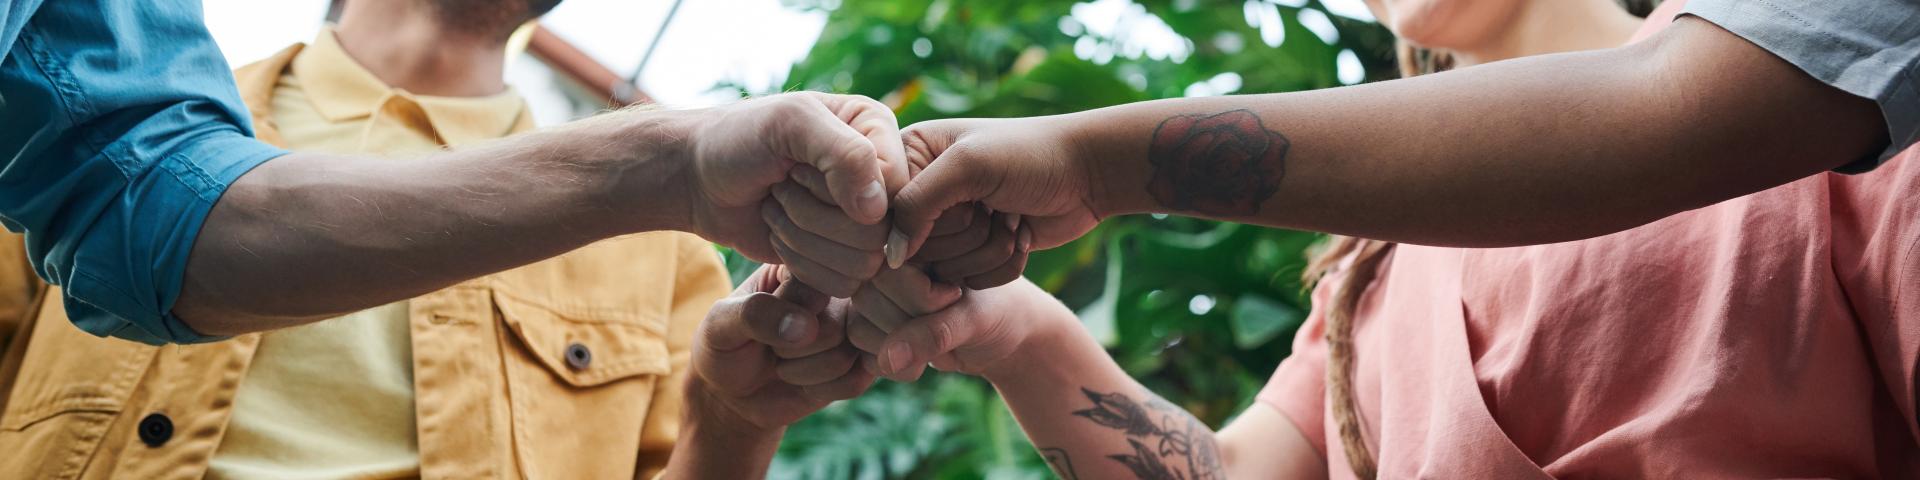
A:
x: 897, y: 354
x: 1013, y: 222
x: 896, y: 249
x: 790, y: 328
x: 873, y: 199
x: 1026, y: 239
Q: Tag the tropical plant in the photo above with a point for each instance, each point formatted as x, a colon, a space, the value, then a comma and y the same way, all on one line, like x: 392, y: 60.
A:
x: 1199, y: 311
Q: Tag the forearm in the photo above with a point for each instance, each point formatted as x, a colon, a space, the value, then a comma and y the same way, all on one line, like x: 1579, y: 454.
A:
x: 1090, y: 420
x: 716, y: 443
x: 309, y: 236
x: 1534, y: 150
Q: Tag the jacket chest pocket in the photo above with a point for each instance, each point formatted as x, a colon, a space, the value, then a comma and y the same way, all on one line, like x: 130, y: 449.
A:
x: 586, y: 347
x: 68, y: 388
x: 580, y: 383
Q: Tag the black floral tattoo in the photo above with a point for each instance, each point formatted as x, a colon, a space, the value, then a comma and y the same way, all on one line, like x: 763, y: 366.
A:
x: 1062, y: 465
x: 1164, y: 439
x: 1225, y: 164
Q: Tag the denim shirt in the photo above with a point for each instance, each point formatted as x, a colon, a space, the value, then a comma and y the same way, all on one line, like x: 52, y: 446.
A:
x: 119, y: 128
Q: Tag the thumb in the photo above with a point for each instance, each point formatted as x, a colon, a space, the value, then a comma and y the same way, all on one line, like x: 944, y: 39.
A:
x: 802, y: 295
x: 820, y: 137
x: 920, y: 340
x: 950, y: 180
x: 756, y: 320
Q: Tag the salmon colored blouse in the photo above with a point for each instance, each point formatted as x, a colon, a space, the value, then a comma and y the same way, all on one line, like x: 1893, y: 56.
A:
x: 1771, y: 335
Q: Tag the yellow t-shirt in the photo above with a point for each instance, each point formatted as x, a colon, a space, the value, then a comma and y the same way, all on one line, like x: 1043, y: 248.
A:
x: 334, y: 399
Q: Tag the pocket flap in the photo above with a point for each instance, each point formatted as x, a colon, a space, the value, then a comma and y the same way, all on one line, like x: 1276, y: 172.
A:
x: 585, y: 348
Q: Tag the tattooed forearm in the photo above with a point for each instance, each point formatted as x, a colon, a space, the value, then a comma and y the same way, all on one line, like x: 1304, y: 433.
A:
x: 1167, y: 443
x: 1225, y: 164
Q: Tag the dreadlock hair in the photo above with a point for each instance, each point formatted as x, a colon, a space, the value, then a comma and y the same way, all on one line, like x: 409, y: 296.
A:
x: 1367, y: 255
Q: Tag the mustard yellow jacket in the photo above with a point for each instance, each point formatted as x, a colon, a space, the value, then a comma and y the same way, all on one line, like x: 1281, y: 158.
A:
x: 496, y: 394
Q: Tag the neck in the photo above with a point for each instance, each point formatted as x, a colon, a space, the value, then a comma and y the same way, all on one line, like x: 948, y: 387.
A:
x: 1543, y: 27
x: 405, y: 45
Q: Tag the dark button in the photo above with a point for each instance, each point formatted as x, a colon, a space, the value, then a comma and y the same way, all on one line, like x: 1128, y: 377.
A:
x: 156, y: 429
x: 578, y: 356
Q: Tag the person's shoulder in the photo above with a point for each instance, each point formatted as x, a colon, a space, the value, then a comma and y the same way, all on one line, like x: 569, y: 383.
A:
x: 266, y: 70
x: 256, y: 82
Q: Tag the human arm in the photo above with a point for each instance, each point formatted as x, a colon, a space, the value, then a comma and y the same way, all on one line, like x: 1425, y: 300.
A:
x: 700, y: 280
x: 1087, y: 417
x: 1533, y: 150
x: 766, y: 356
x: 364, y: 231
x: 130, y: 172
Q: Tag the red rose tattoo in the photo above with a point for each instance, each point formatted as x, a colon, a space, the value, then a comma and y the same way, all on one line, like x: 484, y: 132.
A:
x: 1224, y: 164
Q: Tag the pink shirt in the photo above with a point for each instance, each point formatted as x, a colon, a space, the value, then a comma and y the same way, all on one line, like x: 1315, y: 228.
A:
x: 1758, y: 337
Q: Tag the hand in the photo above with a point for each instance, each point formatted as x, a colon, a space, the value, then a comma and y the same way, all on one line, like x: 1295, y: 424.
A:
x: 976, y: 333
x: 820, y: 245
x: 889, y: 301
x: 771, y: 354
x: 1024, y: 166
x: 976, y: 248
x: 835, y: 254
x: 741, y: 150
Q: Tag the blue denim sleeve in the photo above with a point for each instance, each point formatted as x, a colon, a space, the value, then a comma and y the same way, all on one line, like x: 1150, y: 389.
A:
x: 120, y: 127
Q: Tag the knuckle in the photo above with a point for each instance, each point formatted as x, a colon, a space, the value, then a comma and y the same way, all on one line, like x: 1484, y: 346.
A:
x: 856, y: 148
x: 867, y: 339
x: 868, y: 265
x: 793, y: 104
x: 839, y: 361
x: 759, y: 303
x: 870, y: 237
x: 975, y: 236
x: 731, y: 305
x: 944, y: 336
x: 839, y: 287
x: 915, y: 139
x: 1000, y: 246
x: 870, y: 102
x: 800, y: 219
x: 780, y: 223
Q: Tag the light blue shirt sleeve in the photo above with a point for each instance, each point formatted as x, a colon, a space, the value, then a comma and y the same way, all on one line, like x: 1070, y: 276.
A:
x: 120, y: 126
x: 1869, y: 48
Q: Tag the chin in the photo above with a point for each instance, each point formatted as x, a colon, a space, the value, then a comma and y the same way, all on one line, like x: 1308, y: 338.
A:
x: 1445, y: 24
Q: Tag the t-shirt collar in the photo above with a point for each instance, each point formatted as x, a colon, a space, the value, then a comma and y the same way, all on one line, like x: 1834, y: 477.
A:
x: 341, y: 89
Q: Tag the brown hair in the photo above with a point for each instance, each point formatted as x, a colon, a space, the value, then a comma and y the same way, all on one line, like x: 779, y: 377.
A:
x: 1367, y: 256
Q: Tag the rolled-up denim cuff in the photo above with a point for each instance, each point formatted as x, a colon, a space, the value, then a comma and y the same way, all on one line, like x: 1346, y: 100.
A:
x: 130, y: 265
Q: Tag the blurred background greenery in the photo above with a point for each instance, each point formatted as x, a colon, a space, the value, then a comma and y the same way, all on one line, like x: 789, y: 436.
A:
x: 1198, y: 311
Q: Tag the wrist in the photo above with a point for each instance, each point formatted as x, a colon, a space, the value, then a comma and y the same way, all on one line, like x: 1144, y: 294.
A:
x: 715, y: 442
x: 645, y: 176
x: 1113, y: 177
x: 1054, y: 332
x: 715, y: 418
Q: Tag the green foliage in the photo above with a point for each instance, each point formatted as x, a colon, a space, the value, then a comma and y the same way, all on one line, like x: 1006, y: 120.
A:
x: 944, y: 426
x: 1198, y: 311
